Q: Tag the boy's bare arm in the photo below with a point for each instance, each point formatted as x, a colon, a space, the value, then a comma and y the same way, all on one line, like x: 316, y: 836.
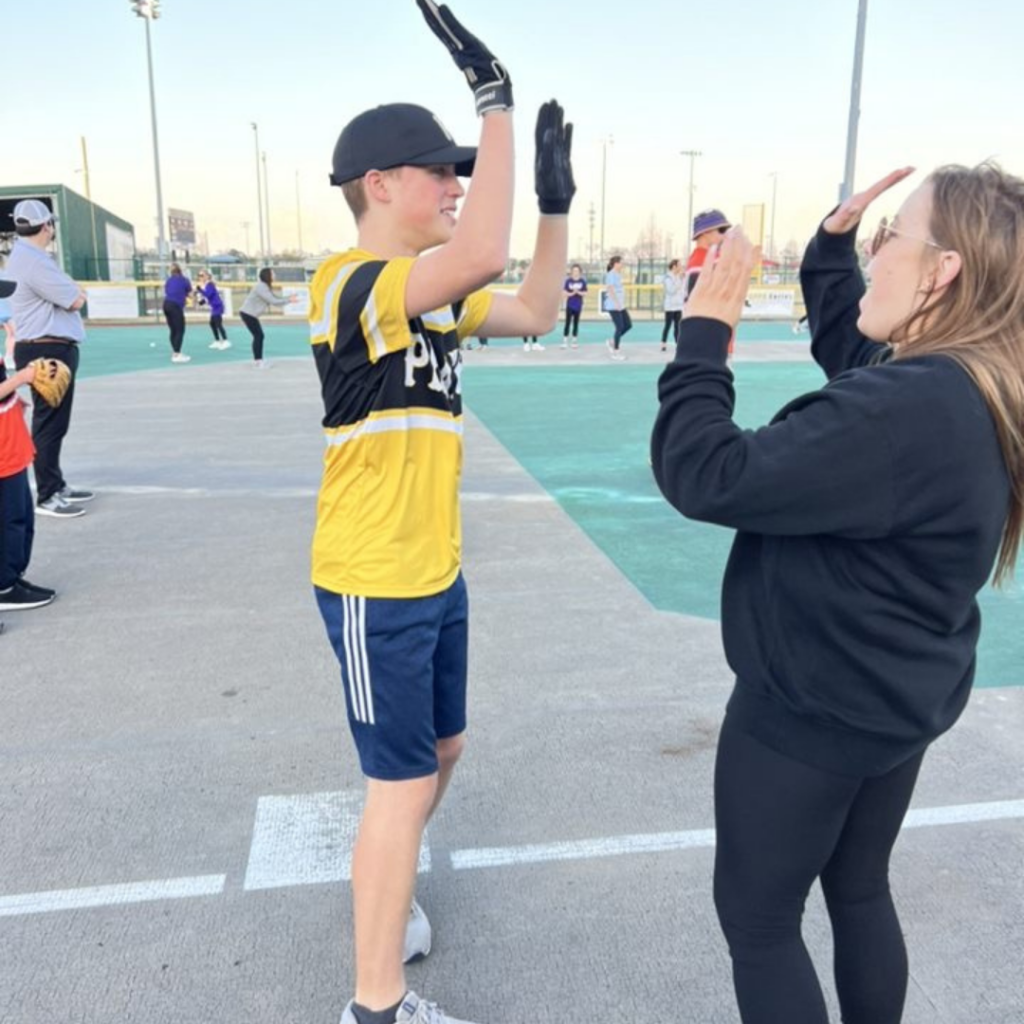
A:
x: 477, y: 252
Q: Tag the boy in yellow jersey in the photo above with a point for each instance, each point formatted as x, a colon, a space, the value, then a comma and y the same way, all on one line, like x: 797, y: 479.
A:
x: 386, y: 323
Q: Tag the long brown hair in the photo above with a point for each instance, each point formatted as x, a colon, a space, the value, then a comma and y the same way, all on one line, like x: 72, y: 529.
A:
x: 978, y: 212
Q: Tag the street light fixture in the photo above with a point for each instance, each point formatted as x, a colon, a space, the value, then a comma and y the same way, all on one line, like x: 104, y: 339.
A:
x: 692, y: 154
x: 149, y: 10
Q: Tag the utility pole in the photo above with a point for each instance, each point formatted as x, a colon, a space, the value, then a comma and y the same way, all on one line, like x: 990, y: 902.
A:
x: 266, y: 203
x: 605, y: 143
x: 92, y: 210
x: 846, y: 189
x: 591, y: 213
x: 259, y: 185
x: 692, y: 154
x: 774, y: 175
x: 298, y: 211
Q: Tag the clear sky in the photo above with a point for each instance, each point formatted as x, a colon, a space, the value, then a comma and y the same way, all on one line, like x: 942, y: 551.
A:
x: 756, y: 87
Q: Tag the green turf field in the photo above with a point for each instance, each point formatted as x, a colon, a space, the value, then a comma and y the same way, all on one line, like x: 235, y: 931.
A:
x: 583, y: 433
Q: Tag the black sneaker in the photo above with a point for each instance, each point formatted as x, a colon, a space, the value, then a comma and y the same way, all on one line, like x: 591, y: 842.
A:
x: 78, y: 494
x: 19, y: 598
x: 36, y: 589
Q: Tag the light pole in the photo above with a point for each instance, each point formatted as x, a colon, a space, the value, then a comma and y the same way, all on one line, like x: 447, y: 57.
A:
x: 774, y: 175
x: 149, y: 10
x: 846, y: 189
x: 298, y: 210
x: 605, y: 143
x: 692, y: 154
x: 266, y: 203
x: 591, y: 213
x: 259, y: 185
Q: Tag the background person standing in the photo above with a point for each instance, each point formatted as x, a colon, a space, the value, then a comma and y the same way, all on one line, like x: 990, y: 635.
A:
x: 48, y: 325
x: 177, y: 289
x: 259, y: 301
x: 211, y: 297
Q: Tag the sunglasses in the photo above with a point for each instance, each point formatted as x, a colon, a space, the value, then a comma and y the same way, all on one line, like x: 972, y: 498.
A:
x: 886, y: 232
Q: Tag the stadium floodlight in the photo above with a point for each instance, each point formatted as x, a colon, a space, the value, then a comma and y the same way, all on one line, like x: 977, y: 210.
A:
x: 149, y: 10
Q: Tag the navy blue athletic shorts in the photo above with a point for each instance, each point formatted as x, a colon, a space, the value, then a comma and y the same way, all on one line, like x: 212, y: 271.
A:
x: 403, y: 670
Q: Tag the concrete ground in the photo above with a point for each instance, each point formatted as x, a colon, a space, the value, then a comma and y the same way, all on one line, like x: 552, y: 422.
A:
x: 180, y: 791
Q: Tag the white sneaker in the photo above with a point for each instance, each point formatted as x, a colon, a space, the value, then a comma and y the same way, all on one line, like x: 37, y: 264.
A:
x: 526, y: 346
x: 263, y: 364
x: 214, y: 344
x: 224, y: 345
x: 412, y: 1011
x: 565, y: 344
x: 180, y: 357
x: 575, y: 344
x: 538, y: 347
x: 418, y: 935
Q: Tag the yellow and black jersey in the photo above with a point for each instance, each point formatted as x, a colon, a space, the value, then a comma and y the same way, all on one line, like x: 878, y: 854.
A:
x: 388, y: 512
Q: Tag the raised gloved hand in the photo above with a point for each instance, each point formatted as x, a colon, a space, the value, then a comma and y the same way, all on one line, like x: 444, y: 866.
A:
x: 552, y: 168
x: 486, y: 74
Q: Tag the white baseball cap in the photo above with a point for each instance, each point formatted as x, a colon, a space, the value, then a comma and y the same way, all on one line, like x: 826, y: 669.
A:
x: 30, y: 213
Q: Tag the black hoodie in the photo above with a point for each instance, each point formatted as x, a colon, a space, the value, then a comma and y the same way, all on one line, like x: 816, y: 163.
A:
x: 868, y: 515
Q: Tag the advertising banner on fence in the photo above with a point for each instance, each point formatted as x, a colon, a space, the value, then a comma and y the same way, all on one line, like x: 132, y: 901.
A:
x: 776, y: 303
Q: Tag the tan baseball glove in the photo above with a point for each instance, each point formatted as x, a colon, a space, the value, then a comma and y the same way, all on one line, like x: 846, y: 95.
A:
x: 52, y: 380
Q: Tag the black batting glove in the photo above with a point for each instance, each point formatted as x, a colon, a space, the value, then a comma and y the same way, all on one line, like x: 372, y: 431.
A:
x: 552, y: 168
x: 486, y: 74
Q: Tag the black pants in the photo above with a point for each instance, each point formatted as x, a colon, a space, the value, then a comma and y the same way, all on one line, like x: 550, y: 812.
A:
x: 217, y: 326
x: 623, y: 323
x: 256, y: 330
x: 781, y: 824
x: 17, y: 526
x: 572, y: 317
x: 672, y: 318
x: 49, y: 426
x: 175, y: 317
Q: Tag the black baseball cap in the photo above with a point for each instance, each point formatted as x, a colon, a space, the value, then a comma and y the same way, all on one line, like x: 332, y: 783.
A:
x: 397, y: 135
x: 7, y: 288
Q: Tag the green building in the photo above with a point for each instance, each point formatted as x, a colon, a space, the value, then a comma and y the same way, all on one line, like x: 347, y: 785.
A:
x: 92, y: 243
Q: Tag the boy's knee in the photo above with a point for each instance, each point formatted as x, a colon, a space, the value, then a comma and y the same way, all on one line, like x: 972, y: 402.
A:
x: 449, y: 750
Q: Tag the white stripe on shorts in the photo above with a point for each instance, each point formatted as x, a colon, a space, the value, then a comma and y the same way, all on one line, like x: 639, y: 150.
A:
x: 356, y: 662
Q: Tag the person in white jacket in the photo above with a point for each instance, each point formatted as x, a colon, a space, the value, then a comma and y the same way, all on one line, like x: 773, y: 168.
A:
x: 259, y: 301
x: 675, y: 294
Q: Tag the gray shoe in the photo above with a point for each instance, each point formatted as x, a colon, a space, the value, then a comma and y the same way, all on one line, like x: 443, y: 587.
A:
x: 418, y: 935
x: 57, y: 507
x: 412, y: 1011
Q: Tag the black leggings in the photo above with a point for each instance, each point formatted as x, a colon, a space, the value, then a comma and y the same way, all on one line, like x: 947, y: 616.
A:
x: 623, y: 323
x: 256, y: 330
x: 217, y: 326
x: 672, y: 318
x: 175, y: 317
x: 781, y: 824
x: 572, y: 316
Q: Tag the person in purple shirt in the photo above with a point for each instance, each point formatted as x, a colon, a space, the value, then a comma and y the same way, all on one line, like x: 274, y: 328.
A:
x: 574, y: 288
x: 177, y: 289
x: 209, y: 295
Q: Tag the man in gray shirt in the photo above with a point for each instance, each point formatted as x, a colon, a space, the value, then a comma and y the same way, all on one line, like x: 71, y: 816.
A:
x: 48, y: 325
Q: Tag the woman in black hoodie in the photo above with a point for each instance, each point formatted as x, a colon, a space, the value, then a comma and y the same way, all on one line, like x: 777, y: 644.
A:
x: 868, y: 515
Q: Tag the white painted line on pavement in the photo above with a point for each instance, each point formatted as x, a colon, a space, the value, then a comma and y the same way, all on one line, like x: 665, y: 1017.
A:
x: 111, y: 895
x: 307, y: 839
x: 964, y: 814
x: 583, y: 849
x: 659, y: 842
